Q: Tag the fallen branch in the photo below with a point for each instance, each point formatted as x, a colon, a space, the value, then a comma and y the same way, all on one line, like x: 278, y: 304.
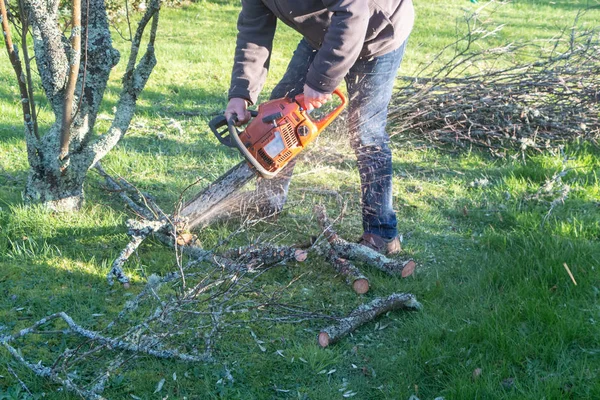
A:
x: 366, y: 313
x: 138, y: 232
x: 46, y: 372
x: 357, y: 252
x: 139, y: 202
x: 152, y: 348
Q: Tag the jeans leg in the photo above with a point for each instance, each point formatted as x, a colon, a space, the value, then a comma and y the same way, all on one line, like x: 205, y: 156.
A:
x: 291, y: 84
x: 370, y: 84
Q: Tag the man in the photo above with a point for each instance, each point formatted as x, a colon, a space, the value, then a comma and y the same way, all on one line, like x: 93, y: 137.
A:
x: 359, y: 41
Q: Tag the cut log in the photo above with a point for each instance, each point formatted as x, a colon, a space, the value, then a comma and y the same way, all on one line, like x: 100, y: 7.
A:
x: 354, y: 277
x: 366, y: 313
x: 208, y: 200
x: 358, y: 252
x: 265, y: 253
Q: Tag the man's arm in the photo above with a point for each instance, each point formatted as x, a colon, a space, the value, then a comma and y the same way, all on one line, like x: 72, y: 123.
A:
x: 256, y: 29
x: 341, y: 46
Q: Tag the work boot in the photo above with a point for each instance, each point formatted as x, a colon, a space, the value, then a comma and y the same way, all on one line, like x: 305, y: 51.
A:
x: 381, y: 245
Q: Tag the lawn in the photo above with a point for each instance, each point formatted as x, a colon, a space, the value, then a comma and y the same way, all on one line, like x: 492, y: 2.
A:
x: 502, y: 319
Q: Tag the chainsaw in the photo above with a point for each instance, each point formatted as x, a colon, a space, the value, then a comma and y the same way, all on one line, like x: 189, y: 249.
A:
x: 277, y: 132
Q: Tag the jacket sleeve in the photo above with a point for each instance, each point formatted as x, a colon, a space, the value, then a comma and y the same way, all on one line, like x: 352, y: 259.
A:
x: 341, y: 45
x: 256, y: 29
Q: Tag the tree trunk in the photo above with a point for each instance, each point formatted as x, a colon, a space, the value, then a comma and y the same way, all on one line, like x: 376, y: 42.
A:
x: 61, y: 195
x: 60, y: 158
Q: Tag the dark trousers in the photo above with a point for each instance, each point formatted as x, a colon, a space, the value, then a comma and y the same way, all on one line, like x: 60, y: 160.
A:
x: 369, y: 83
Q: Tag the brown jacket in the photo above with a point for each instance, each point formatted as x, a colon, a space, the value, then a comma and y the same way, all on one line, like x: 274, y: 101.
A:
x: 342, y: 30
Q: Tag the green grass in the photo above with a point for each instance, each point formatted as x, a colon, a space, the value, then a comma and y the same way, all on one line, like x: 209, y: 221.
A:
x: 490, y: 276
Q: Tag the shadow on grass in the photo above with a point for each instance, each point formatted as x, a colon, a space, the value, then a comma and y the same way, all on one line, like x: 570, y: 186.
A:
x: 31, y: 295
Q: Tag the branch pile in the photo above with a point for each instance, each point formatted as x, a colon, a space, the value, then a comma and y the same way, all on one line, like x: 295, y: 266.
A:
x: 183, y: 315
x: 537, y: 104
x: 213, y: 294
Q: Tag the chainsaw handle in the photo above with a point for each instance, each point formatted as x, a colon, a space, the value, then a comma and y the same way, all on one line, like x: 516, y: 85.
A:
x: 216, y: 124
x: 323, y: 122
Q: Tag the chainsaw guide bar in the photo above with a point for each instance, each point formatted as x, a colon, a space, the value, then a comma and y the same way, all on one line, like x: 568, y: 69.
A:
x: 278, y: 131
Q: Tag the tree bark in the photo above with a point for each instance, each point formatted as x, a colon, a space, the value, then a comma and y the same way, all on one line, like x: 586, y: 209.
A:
x: 74, y: 86
x: 206, y: 202
x: 366, y: 313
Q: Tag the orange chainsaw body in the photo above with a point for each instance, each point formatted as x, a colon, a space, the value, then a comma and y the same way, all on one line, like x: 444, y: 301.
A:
x: 278, y: 132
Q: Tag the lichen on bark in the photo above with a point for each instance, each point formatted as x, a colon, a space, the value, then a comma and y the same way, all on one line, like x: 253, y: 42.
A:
x: 56, y: 177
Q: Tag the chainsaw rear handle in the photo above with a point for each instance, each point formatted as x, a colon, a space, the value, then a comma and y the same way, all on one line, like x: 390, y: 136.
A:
x: 323, y: 122
x: 219, y: 127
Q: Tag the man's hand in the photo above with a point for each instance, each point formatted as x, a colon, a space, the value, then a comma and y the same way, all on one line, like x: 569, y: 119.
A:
x: 239, y: 107
x: 314, y: 99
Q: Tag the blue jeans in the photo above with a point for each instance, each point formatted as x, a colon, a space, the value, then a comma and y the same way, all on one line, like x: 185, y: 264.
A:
x: 369, y: 83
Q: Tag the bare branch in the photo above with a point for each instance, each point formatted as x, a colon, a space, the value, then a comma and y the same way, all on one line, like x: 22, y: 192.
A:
x: 74, y: 60
x: 17, y: 67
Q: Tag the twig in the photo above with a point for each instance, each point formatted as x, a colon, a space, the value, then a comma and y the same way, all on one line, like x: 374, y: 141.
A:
x: 23, y: 385
x: 570, y: 273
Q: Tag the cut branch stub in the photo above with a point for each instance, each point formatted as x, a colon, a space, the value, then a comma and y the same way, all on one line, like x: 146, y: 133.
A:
x: 366, y: 313
x: 357, y: 252
x: 354, y: 277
